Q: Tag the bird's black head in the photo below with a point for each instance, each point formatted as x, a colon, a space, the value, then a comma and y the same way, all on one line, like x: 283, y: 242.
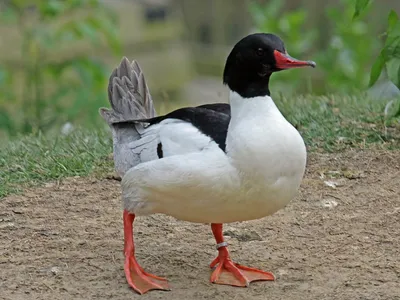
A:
x: 253, y: 60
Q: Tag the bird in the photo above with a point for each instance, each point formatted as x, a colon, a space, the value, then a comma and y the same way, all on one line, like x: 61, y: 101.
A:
x: 214, y: 163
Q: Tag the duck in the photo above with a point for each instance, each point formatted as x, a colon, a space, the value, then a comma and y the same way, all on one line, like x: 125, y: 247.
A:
x: 214, y: 163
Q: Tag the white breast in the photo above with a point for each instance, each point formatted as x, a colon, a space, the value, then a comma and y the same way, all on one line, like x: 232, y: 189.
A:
x: 260, y: 173
x: 268, y: 152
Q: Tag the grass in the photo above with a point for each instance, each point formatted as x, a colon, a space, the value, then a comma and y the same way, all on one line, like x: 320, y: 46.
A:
x: 36, y: 159
x: 327, y: 124
x: 334, y: 123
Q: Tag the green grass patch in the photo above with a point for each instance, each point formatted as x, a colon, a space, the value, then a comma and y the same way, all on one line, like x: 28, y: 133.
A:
x: 327, y: 124
x: 334, y: 123
x: 36, y: 159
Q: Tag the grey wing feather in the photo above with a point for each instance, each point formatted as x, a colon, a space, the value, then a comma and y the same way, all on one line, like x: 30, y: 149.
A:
x: 130, y: 100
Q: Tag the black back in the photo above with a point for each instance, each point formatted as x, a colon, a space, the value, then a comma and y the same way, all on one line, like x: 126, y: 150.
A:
x: 211, y: 119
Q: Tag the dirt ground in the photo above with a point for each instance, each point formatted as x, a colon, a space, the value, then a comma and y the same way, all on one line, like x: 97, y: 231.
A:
x: 339, y: 239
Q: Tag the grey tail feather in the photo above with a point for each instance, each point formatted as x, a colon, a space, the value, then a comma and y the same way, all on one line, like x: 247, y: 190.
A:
x: 130, y: 100
x: 128, y: 94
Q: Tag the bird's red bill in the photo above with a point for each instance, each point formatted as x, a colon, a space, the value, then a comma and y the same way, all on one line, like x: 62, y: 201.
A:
x: 285, y: 61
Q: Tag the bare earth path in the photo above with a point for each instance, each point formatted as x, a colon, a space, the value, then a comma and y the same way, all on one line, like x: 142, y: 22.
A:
x: 64, y: 240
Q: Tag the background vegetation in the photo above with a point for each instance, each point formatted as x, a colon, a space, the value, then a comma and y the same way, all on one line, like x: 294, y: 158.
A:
x: 40, y: 90
x: 53, y: 75
x: 45, y: 90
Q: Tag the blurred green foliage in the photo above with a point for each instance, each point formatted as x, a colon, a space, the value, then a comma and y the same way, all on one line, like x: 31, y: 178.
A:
x: 388, y: 58
x: 344, y: 59
x: 42, y: 89
x: 291, y: 27
x: 46, y: 91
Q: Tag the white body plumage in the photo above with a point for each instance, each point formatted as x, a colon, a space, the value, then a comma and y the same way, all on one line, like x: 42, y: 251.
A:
x: 196, y: 181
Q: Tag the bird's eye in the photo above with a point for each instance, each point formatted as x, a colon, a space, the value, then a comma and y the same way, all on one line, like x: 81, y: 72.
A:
x: 260, y: 51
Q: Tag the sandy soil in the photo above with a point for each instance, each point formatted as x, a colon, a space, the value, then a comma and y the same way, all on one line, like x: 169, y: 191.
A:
x: 64, y: 240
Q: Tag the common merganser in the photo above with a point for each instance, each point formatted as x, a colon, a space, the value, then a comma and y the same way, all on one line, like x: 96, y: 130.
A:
x: 214, y: 163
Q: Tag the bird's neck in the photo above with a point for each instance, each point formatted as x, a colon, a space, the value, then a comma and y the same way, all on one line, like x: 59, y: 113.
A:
x: 243, y: 109
x: 246, y: 83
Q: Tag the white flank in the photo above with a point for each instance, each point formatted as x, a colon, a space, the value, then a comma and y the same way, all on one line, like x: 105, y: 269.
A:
x: 196, y: 181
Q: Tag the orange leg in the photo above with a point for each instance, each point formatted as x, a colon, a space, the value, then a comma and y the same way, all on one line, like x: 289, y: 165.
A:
x: 137, y: 278
x: 228, y: 272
